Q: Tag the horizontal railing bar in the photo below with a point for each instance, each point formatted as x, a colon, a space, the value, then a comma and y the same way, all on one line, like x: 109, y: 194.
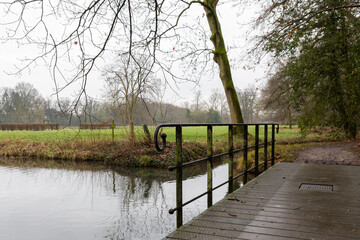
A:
x: 263, y: 143
x: 171, y: 168
x: 222, y: 184
x: 239, y: 175
x: 258, y: 165
x: 238, y: 150
x: 251, y: 169
x: 171, y: 211
x: 213, y: 124
x: 198, y: 161
x: 250, y: 147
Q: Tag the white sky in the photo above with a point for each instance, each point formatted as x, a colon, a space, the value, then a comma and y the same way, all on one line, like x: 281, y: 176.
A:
x: 39, y: 75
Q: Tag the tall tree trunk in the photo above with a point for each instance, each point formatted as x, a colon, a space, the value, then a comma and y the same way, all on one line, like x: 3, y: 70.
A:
x: 290, y: 117
x: 221, y: 58
x: 342, y: 84
x: 129, y: 112
x: 132, y: 138
x: 349, y: 93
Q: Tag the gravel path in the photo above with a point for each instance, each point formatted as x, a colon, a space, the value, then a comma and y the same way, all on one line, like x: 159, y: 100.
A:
x: 345, y: 153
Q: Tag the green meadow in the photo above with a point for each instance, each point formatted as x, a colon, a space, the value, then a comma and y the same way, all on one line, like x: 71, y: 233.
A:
x: 190, y: 134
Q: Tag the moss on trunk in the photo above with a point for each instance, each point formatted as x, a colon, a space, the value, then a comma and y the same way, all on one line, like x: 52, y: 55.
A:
x: 221, y: 58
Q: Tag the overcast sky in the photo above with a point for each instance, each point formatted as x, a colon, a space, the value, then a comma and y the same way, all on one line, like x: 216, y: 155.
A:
x: 39, y: 76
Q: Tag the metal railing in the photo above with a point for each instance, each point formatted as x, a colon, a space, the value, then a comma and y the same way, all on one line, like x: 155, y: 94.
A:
x: 209, y: 159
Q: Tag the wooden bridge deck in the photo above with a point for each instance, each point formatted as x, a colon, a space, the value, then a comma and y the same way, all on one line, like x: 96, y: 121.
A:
x: 272, y: 206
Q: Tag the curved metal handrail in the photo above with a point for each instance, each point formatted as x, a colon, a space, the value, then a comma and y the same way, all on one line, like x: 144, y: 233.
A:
x: 231, y: 151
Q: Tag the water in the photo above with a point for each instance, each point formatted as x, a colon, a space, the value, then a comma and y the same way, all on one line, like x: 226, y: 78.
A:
x: 126, y: 203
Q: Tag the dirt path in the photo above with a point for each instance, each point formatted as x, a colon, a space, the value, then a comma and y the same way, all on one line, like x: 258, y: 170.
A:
x: 345, y: 153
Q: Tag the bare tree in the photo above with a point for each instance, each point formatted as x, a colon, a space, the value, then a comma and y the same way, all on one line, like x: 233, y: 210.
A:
x: 126, y: 85
x: 275, y: 99
x: 22, y: 104
x: 247, y: 99
x: 197, y: 105
x: 7, y: 108
x: 214, y: 100
x: 83, y: 32
x: 218, y: 102
x: 154, y: 106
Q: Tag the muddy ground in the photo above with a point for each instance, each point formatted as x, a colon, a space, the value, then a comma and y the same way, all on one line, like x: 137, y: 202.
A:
x: 345, y: 153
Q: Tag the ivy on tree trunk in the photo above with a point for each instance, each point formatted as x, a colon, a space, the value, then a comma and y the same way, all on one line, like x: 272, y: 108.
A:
x: 221, y: 58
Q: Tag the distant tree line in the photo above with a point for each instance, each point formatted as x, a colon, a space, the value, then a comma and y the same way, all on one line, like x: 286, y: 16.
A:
x: 24, y: 104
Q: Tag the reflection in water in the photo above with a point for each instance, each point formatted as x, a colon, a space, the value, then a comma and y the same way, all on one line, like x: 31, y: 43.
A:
x: 125, y: 203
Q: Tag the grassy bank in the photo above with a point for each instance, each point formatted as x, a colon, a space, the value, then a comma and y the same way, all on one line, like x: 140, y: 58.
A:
x: 97, y: 145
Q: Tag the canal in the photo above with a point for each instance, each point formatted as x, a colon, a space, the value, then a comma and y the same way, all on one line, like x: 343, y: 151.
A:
x: 97, y: 203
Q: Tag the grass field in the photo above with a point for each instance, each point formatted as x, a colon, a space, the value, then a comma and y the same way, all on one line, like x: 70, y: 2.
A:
x: 190, y: 134
x: 198, y: 134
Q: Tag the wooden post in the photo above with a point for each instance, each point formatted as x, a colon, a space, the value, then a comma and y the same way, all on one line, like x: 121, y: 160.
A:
x: 272, y: 144
x: 245, y: 157
x: 178, y: 159
x: 113, y: 130
x: 256, y: 150
x: 231, y: 158
x: 265, y: 146
x: 209, y: 165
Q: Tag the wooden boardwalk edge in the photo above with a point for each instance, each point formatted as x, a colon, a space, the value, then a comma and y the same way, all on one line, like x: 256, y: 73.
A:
x: 272, y: 206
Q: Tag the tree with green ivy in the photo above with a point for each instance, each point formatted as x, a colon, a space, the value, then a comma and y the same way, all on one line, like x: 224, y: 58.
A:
x: 319, y: 44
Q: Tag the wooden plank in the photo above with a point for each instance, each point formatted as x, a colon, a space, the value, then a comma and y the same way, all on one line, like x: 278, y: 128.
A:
x: 331, y: 229
x: 235, y: 230
x: 308, y: 206
x: 197, y: 232
x: 272, y: 206
x: 288, y: 217
x: 327, y: 228
x: 270, y: 220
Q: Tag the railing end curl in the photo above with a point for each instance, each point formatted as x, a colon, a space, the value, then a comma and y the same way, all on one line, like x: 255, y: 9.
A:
x: 172, y: 168
x: 163, y: 137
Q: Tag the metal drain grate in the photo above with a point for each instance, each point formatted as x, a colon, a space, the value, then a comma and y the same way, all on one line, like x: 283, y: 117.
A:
x: 316, y: 187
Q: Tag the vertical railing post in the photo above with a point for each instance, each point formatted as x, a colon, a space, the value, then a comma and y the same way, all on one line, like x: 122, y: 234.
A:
x: 272, y: 144
x: 256, y: 150
x: 265, y: 146
x: 178, y: 159
x: 245, y: 157
x: 231, y: 158
x: 209, y: 164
